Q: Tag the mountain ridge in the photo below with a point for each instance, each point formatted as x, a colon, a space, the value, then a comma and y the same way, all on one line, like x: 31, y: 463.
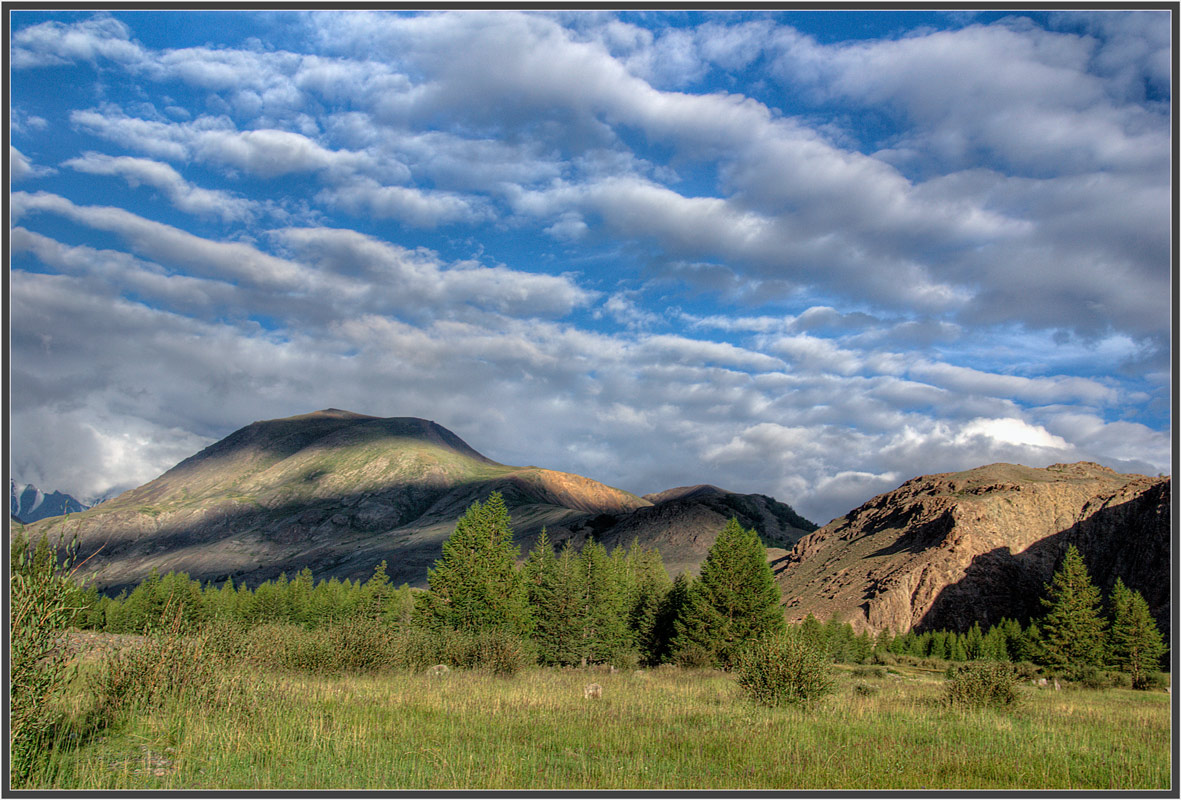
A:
x: 945, y: 550
x: 338, y: 492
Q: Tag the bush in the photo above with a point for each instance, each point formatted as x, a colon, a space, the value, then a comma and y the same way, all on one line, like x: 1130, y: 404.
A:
x: 1151, y: 680
x: 168, y: 665
x: 1092, y: 677
x: 982, y: 683
x: 870, y: 672
x: 694, y: 656
x: 503, y: 653
x: 784, y: 669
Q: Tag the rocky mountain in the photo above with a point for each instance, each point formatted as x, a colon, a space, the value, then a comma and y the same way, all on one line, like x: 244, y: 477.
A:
x: 27, y: 503
x: 942, y: 551
x: 338, y: 492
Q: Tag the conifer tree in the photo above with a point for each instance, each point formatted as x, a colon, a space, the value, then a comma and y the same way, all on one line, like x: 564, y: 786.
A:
x: 735, y: 601
x: 475, y: 585
x: 605, y: 634
x: 672, y: 606
x: 1072, y: 629
x: 650, y: 584
x: 974, y: 643
x: 1134, y: 642
x: 540, y: 575
x: 567, y: 615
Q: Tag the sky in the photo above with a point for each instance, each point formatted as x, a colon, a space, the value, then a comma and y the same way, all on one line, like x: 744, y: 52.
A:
x: 808, y: 254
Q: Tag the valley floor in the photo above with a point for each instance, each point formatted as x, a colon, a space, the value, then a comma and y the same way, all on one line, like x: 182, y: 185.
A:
x: 658, y: 729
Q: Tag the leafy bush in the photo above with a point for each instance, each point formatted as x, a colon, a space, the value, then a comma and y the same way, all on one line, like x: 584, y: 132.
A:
x: 694, y: 656
x: 503, y: 653
x: 167, y: 665
x: 982, y: 683
x: 1091, y: 677
x: 784, y: 669
x: 870, y: 672
x: 864, y: 690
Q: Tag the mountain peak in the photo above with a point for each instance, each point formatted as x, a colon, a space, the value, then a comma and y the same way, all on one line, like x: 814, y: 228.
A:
x: 328, y: 413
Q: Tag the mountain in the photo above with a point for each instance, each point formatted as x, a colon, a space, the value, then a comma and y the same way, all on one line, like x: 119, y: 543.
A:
x: 683, y: 524
x: 942, y: 551
x: 27, y: 503
x: 338, y: 492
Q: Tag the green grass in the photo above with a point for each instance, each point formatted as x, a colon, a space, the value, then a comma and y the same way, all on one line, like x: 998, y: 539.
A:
x: 664, y: 729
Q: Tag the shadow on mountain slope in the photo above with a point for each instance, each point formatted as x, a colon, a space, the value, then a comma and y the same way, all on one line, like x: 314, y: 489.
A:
x: 1000, y: 583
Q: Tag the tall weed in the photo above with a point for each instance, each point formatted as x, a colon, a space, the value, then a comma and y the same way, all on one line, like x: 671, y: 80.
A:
x: 41, y: 609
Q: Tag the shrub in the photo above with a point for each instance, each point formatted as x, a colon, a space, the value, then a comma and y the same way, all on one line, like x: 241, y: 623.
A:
x: 870, y: 672
x: 694, y: 656
x: 784, y: 669
x: 167, y: 665
x: 361, y: 645
x: 502, y: 653
x: 982, y: 683
x: 1091, y: 677
x: 864, y: 690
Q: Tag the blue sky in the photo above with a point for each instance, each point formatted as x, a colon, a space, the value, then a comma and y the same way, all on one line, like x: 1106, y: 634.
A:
x: 806, y: 254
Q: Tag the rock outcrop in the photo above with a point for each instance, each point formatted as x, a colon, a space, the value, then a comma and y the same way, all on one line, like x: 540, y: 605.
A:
x: 943, y: 551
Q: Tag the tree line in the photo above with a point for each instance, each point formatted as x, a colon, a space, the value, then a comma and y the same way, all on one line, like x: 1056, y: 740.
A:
x: 590, y: 606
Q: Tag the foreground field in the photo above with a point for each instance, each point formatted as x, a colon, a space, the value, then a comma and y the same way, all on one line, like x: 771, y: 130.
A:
x: 660, y: 729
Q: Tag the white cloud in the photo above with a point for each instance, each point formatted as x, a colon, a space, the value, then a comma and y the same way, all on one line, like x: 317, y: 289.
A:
x: 1011, y: 432
x: 51, y: 43
x: 20, y: 167
x: 424, y: 209
x: 182, y: 194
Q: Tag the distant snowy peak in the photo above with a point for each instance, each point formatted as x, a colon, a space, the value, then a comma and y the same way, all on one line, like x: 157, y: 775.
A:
x: 28, y: 503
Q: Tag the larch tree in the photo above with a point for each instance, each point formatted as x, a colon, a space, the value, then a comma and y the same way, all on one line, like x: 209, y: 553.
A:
x: 1072, y: 628
x: 1134, y: 642
x: 475, y: 585
x: 735, y: 600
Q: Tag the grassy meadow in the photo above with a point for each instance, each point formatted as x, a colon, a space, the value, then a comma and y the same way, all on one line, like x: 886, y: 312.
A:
x: 666, y: 728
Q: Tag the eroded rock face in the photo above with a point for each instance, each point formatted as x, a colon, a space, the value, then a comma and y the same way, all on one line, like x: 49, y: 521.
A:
x: 943, y: 551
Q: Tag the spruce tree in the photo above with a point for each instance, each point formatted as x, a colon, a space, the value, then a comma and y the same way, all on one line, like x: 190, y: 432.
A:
x: 475, y: 585
x: 1072, y: 629
x: 735, y: 601
x: 1134, y: 642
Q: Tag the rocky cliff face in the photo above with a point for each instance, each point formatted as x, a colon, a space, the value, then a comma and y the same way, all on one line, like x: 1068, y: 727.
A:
x: 942, y: 551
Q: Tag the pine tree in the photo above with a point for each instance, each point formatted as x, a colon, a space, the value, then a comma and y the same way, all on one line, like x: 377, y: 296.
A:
x: 1134, y: 642
x: 735, y: 600
x: 1072, y: 629
x: 475, y: 585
